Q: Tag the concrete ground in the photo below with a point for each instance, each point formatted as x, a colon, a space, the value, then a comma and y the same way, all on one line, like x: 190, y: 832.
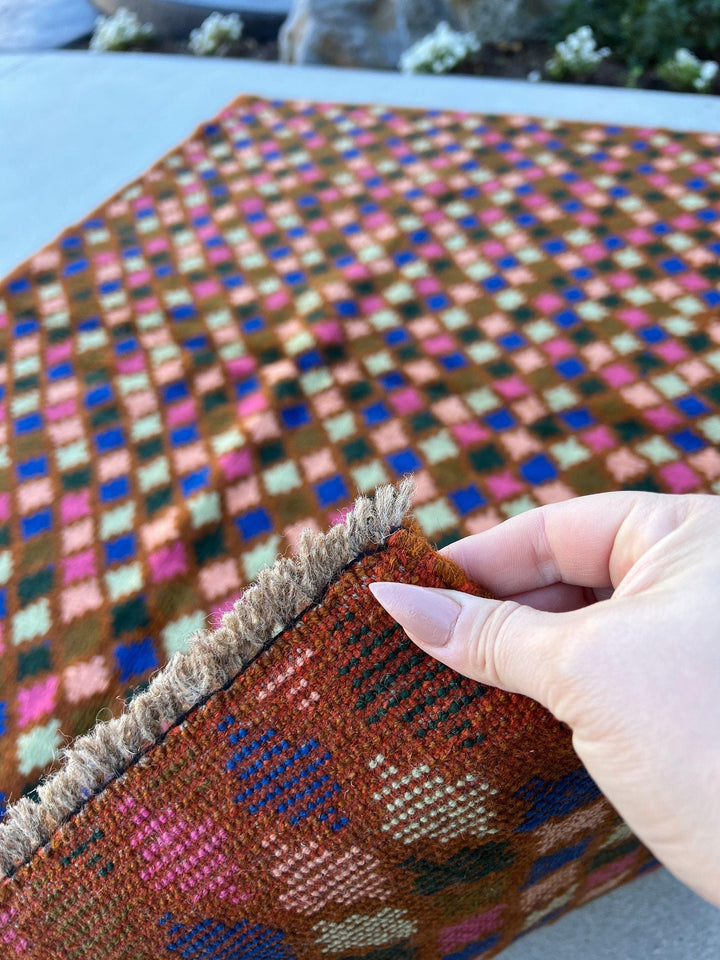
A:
x: 75, y: 127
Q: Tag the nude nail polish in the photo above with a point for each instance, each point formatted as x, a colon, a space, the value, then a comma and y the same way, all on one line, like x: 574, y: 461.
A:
x: 426, y: 615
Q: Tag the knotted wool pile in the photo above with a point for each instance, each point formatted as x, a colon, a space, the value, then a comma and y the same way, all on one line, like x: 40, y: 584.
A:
x: 300, y: 302
x: 335, y: 792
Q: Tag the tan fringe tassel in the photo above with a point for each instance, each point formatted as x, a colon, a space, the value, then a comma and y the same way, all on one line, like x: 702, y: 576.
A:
x: 212, y: 659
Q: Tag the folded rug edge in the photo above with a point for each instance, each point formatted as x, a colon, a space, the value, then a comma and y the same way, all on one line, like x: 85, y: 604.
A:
x: 281, y: 592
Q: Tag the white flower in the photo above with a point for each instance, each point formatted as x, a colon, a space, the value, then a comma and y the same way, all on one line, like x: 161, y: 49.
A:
x: 215, y: 34
x: 685, y: 71
x: 121, y: 31
x: 577, y: 55
x: 439, y: 51
x: 534, y: 76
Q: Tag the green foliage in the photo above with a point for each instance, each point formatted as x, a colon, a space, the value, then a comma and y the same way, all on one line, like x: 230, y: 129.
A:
x: 577, y: 56
x: 704, y: 27
x: 684, y: 71
x: 643, y: 33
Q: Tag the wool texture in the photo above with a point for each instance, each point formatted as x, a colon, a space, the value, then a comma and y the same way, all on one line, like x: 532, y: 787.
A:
x: 344, y: 795
x: 299, y: 303
x: 211, y: 661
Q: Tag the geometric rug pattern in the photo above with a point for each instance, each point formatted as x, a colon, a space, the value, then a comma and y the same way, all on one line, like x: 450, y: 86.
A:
x: 303, y: 301
x: 343, y: 797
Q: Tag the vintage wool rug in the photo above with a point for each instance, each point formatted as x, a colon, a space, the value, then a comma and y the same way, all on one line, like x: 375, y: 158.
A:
x: 304, y: 301
x: 335, y: 792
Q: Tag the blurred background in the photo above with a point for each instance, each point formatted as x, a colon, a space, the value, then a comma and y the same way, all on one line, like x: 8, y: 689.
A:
x: 27, y: 25
x: 43, y: 24
x: 651, y: 44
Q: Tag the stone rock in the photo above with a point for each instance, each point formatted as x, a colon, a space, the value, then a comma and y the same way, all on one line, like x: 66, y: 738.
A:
x: 344, y: 33
x: 374, y: 33
x: 503, y: 19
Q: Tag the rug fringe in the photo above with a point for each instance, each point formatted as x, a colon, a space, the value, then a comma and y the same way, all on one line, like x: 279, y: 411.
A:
x: 211, y: 661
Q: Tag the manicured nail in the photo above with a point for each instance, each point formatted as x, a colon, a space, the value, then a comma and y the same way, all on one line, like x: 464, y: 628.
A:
x: 426, y: 615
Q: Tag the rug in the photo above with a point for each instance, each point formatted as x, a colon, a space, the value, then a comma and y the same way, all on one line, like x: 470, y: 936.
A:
x: 304, y: 301
x: 339, y: 794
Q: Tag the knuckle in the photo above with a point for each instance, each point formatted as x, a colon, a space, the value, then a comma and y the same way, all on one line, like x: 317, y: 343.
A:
x: 541, y: 553
x: 490, y: 641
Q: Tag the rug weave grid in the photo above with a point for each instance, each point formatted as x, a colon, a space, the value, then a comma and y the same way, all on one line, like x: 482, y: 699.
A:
x: 346, y: 796
x: 303, y: 301
x: 306, y: 300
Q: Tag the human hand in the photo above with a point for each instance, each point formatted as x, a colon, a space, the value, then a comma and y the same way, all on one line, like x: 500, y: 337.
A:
x: 609, y: 616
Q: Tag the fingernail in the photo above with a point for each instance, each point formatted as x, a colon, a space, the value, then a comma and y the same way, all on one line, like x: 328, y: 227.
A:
x: 426, y: 615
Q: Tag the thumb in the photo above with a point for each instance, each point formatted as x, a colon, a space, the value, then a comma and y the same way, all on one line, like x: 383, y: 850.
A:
x: 496, y: 642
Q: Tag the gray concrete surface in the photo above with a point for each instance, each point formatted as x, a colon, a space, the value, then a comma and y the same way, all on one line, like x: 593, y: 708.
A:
x: 77, y: 127
x: 653, y: 918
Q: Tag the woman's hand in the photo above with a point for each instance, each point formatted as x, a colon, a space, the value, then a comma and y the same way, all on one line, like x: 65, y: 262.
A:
x: 610, y: 617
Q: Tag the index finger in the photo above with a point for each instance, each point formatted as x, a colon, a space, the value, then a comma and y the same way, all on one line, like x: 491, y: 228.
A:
x: 589, y: 541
